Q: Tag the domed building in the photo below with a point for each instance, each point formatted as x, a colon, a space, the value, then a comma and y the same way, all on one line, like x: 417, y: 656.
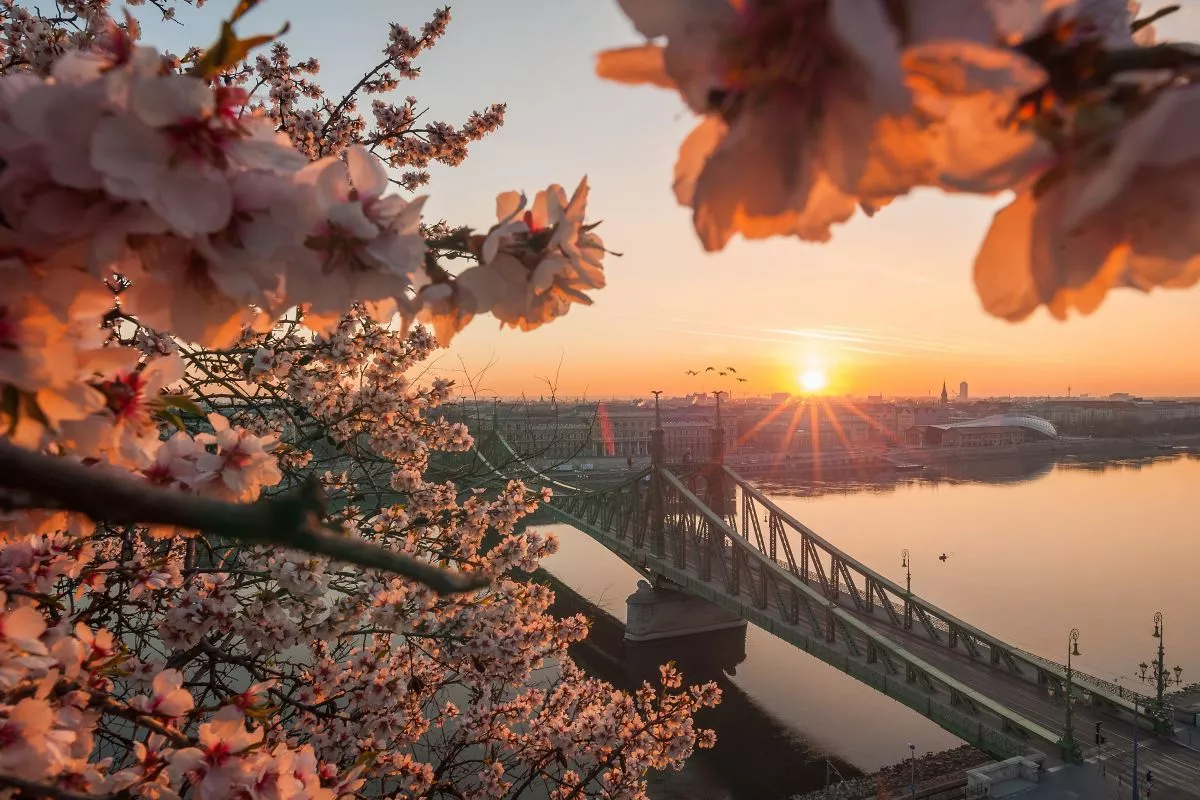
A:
x: 998, y: 430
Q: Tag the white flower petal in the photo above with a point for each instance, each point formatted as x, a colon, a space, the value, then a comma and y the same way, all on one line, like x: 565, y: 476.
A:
x: 194, y: 199
x: 367, y: 174
x: 170, y: 99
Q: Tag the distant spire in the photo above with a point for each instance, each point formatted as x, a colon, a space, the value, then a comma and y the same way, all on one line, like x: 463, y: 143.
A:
x: 945, y: 394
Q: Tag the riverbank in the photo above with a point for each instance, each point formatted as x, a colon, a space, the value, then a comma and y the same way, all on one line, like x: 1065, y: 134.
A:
x: 1109, y: 448
x: 937, y: 775
x: 904, y: 460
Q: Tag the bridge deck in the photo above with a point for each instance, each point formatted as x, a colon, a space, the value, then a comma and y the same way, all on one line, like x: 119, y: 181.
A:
x: 1176, y: 768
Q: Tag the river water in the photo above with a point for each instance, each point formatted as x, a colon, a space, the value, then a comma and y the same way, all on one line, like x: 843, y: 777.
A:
x: 1033, y: 548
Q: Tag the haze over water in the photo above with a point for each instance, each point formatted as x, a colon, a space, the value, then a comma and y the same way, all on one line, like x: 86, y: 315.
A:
x: 1033, y: 548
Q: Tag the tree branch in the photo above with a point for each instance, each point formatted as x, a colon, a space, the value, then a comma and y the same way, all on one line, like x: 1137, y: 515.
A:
x: 293, y: 520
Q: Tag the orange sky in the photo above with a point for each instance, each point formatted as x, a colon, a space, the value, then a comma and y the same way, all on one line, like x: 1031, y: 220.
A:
x: 887, y: 306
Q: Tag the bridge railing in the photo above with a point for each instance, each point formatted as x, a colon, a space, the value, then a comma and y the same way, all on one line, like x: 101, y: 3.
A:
x: 1082, y: 677
x: 934, y: 615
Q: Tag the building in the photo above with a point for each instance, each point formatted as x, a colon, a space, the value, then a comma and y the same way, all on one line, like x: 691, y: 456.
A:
x: 998, y: 430
x: 547, y: 430
x: 908, y: 416
x: 945, y: 398
x: 962, y: 392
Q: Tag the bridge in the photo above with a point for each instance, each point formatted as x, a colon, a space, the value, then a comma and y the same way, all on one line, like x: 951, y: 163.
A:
x: 717, y: 553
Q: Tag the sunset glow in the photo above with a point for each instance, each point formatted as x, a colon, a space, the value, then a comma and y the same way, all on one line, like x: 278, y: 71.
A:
x: 813, y: 380
x: 887, y: 307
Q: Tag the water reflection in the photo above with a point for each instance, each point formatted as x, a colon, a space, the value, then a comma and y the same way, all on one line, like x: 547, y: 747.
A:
x: 998, y: 471
x: 1034, y: 546
x: 765, y: 759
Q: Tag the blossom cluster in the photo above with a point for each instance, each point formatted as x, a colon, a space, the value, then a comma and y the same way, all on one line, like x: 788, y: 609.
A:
x: 273, y: 673
x: 190, y: 194
x: 207, y: 288
x: 813, y: 109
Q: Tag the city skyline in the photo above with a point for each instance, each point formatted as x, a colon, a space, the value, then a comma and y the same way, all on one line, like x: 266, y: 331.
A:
x: 886, y: 307
x: 930, y: 396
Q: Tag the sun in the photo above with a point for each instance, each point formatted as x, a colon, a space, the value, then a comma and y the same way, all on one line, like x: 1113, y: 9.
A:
x: 812, y: 380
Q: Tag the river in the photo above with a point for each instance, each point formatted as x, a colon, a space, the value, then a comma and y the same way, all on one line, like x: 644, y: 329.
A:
x: 1033, y: 548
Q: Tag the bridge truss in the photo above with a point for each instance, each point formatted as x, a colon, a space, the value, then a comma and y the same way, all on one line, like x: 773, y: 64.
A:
x: 712, y: 534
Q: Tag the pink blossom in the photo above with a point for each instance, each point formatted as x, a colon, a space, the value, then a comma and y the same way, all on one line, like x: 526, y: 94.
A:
x: 811, y: 108
x: 218, y: 763
x: 126, y: 431
x: 31, y: 745
x: 241, y: 465
x: 535, y: 263
x: 23, y: 628
x: 169, y: 699
x: 363, y: 245
x: 1131, y: 218
x: 172, y: 151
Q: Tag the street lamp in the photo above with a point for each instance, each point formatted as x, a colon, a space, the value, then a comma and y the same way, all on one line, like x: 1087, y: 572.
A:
x: 912, y: 775
x: 906, y: 562
x: 1160, y: 669
x: 1071, y: 751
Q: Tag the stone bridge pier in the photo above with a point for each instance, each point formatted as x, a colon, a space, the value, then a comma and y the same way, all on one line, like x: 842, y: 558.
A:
x: 663, y: 624
x: 657, y: 613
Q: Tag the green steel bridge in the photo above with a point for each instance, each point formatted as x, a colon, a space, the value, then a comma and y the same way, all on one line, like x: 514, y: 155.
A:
x: 707, y: 532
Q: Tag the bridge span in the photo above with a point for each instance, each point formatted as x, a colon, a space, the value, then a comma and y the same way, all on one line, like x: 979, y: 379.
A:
x: 709, y: 534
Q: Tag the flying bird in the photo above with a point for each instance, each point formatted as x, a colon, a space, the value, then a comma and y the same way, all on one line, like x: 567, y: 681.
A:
x: 722, y: 374
x: 943, y: 557
x: 709, y: 369
x: 742, y: 380
x: 730, y: 369
x: 692, y: 372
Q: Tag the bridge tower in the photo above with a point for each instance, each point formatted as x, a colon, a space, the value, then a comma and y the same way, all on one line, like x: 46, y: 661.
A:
x: 660, y: 610
x: 716, y: 499
x: 658, y: 458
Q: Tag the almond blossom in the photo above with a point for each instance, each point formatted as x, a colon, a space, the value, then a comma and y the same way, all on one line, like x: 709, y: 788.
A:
x: 240, y: 464
x: 33, y: 746
x: 533, y: 263
x: 364, y: 246
x: 216, y: 765
x: 23, y: 628
x: 1132, y: 218
x: 1114, y: 205
x: 809, y: 108
x: 173, y: 150
x: 170, y: 699
x: 126, y: 431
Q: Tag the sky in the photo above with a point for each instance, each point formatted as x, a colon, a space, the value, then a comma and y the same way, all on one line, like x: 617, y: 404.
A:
x: 887, y: 307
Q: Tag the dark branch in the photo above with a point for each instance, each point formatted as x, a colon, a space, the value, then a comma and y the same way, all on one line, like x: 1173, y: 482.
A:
x: 293, y: 520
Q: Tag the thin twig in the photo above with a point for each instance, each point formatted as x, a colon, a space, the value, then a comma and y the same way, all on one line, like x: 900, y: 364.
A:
x: 292, y: 520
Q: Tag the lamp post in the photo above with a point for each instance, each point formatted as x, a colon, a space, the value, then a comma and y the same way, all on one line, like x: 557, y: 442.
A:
x: 1070, y: 747
x: 906, y: 562
x: 1160, y: 669
x: 912, y: 773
